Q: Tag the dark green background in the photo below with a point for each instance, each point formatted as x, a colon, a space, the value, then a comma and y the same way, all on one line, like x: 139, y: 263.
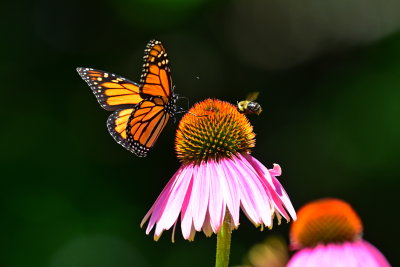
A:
x: 329, y: 77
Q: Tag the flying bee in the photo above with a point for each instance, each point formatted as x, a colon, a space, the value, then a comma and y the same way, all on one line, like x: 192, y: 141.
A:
x: 248, y: 106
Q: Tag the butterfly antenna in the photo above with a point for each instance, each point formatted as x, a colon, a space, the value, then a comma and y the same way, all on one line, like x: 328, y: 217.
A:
x: 182, y: 110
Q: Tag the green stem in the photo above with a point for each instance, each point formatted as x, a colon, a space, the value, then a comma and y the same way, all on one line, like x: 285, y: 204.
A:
x: 224, y: 242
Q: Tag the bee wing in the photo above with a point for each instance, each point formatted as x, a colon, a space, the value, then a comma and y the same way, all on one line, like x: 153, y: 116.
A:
x: 252, y: 96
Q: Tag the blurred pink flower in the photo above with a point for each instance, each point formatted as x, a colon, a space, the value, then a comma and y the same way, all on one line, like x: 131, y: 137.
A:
x: 328, y: 233
x: 211, y: 185
x: 349, y: 254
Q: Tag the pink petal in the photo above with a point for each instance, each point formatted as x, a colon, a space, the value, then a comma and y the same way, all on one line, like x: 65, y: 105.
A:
x: 349, y: 254
x: 263, y: 206
x: 276, y: 190
x: 216, y: 207
x: 200, y: 196
x: 258, y: 167
x: 192, y: 234
x: 207, y: 225
x: 251, y: 190
x: 374, y: 256
x: 158, y: 206
x: 174, y: 201
x: 187, y: 212
x: 231, y: 192
x: 276, y: 170
x: 276, y: 200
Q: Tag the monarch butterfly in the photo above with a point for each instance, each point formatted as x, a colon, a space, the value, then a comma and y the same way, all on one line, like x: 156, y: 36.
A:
x: 248, y: 106
x: 141, y: 111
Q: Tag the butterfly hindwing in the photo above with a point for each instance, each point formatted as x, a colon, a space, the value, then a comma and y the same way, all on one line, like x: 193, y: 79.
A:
x: 138, y: 129
x: 156, y: 75
x: 145, y: 125
x: 117, y: 124
x: 112, y: 91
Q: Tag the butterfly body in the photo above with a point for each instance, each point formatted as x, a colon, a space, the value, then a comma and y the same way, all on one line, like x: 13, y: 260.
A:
x: 140, y: 111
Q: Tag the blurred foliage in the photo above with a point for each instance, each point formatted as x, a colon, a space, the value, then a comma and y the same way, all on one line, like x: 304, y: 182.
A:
x: 272, y: 252
x: 71, y: 196
x: 145, y: 15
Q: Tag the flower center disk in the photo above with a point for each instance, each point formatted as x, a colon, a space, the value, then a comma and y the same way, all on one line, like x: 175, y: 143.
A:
x: 213, y: 129
x: 326, y: 221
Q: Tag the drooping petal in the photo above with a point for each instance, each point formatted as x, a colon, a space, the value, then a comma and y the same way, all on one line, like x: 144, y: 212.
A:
x: 252, y: 192
x: 231, y: 193
x: 217, y: 206
x: 158, y: 206
x: 174, y: 202
x: 187, y: 212
x: 245, y: 196
x: 278, y: 194
x: 265, y: 207
x: 200, y: 195
x: 192, y: 234
x: 207, y: 229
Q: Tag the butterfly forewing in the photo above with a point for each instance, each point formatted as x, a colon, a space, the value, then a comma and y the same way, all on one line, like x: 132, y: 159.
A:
x: 112, y: 91
x: 156, y: 76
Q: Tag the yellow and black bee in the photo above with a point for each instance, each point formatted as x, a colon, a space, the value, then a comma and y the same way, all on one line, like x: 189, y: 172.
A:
x: 248, y: 106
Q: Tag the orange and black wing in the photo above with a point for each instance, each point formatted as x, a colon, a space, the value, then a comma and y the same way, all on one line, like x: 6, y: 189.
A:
x: 138, y: 129
x: 156, y: 76
x: 117, y: 124
x: 112, y: 91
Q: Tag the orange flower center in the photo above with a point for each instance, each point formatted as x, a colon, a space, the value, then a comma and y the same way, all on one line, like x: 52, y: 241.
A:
x: 325, y: 221
x: 213, y: 129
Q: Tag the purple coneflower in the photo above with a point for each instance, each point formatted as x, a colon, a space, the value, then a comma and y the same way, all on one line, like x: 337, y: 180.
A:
x: 218, y: 176
x: 328, y: 233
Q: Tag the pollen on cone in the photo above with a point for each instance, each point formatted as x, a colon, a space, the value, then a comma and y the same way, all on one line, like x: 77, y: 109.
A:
x: 213, y: 129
